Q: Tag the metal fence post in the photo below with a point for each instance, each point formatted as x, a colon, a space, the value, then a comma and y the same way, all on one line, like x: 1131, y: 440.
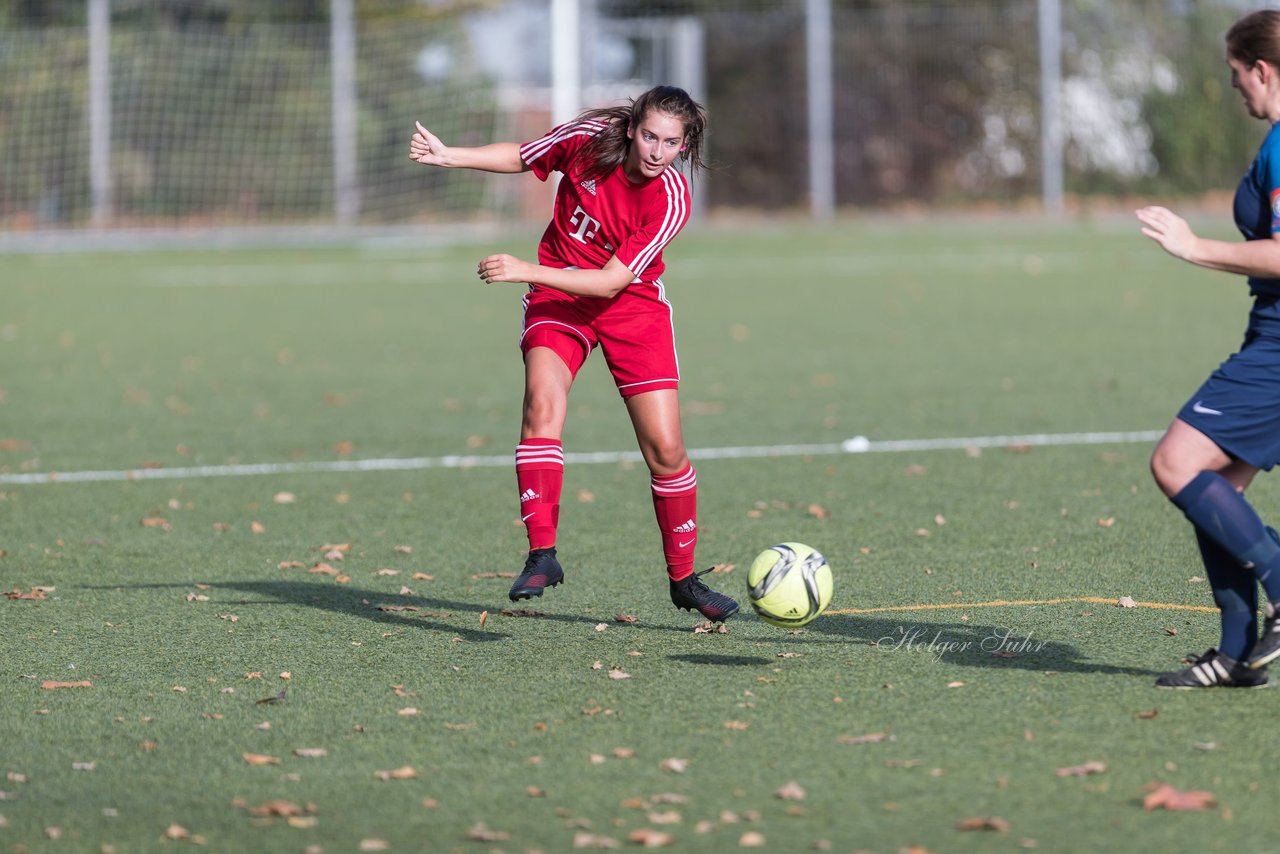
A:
x: 821, y: 146
x: 342, y: 49
x: 566, y: 60
x: 1051, y: 168
x: 100, y: 110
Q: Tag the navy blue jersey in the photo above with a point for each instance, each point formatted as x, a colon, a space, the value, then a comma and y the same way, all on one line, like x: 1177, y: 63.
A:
x: 1257, y: 204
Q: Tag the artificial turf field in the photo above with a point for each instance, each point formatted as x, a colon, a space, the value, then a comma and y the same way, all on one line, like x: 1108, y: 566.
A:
x: 974, y: 663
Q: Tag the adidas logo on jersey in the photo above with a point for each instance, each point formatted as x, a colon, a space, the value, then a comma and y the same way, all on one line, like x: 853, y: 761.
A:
x: 529, y: 495
x: 589, y: 185
x: 687, y: 528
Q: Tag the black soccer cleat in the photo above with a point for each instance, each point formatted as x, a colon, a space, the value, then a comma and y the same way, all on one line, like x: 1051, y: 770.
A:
x: 541, y: 570
x: 1214, y: 670
x: 690, y: 593
x: 1267, y: 649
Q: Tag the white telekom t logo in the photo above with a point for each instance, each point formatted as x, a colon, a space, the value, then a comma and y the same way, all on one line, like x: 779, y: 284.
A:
x: 587, y: 227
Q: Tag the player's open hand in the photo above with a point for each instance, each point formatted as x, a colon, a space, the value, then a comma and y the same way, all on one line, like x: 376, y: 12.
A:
x: 502, y: 268
x: 425, y: 147
x: 1169, y: 230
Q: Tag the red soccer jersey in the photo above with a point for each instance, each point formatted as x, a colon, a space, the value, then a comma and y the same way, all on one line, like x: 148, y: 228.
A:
x: 596, y: 219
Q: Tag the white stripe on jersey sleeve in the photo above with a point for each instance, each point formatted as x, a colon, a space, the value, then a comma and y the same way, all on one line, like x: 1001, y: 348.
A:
x: 531, y: 151
x: 672, y: 220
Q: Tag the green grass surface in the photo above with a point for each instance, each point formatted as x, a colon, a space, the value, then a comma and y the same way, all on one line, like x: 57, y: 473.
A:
x: 795, y: 336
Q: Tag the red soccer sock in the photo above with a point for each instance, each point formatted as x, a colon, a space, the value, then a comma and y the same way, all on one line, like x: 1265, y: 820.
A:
x: 675, y: 503
x: 539, y: 477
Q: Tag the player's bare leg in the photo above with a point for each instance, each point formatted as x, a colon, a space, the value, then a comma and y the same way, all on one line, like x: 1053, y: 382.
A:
x: 655, y: 415
x: 540, y: 468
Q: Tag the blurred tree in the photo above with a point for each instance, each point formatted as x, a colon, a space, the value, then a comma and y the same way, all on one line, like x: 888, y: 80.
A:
x: 1202, y: 137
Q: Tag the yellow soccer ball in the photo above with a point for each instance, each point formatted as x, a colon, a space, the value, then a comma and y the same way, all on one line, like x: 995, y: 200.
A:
x: 789, y: 584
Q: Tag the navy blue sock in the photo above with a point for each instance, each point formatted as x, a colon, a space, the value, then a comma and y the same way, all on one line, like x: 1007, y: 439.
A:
x: 1235, y: 592
x: 1214, y: 507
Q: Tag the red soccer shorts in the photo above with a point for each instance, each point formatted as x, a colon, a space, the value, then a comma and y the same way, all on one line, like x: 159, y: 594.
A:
x: 633, y: 330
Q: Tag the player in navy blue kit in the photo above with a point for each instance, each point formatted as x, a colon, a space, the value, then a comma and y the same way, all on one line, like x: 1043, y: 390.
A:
x: 1230, y: 428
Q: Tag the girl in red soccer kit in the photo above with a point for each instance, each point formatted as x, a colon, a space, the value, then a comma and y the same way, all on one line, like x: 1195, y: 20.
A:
x: 597, y: 284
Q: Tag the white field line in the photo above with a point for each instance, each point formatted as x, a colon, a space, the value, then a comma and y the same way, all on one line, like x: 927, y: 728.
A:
x: 856, y: 445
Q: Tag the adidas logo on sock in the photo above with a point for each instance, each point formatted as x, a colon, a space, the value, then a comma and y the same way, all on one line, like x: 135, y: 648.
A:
x: 687, y: 528
x: 529, y: 495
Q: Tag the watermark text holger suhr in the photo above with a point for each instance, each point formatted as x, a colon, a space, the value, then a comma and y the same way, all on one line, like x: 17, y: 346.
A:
x: 999, y: 641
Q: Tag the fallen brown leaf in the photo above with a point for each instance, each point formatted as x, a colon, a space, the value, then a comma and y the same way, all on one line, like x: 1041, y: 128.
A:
x: 35, y: 594
x: 1163, y: 796
x: 646, y: 838
x: 791, y: 791
x: 869, y: 738
x: 277, y: 806
x: 405, y: 772
x: 52, y: 685
x: 1091, y: 767
x: 260, y: 759
x: 479, y: 832
x: 983, y: 823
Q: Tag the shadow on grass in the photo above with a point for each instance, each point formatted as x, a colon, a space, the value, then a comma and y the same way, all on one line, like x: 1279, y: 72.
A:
x: 967, y: 644
x: 721, y: 660
x: 406, y: 611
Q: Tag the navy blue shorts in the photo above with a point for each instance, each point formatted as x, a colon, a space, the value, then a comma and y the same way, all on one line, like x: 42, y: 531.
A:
x: 1238, y: 407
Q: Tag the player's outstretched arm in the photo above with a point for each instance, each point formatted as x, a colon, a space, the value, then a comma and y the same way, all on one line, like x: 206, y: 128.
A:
x: 1249, y: 257
x: 607, y: 282
x: 427, y: 149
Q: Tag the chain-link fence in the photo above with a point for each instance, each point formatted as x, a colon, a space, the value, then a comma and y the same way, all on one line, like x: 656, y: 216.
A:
x: 220, y: 112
